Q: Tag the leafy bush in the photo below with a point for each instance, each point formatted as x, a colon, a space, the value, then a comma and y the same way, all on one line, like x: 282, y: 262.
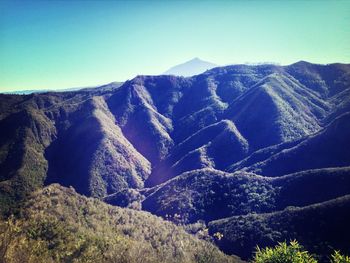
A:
x: 339, y: 258
x: 283, y: 253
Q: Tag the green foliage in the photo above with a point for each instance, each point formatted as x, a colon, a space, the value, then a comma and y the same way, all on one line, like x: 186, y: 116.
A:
x: 58, y: 225
x: 292, y: 253
x: 339, y: 258
x: 283, y: 253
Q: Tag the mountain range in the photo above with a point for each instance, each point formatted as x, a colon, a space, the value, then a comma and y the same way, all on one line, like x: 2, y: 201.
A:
x: 189, y: 68
x: 259, y: 153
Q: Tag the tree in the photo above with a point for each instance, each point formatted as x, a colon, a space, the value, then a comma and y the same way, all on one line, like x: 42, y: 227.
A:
x: 283, y: 253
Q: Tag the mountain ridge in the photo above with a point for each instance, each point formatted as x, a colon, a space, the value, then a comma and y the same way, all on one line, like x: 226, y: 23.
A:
x: 232, y: 141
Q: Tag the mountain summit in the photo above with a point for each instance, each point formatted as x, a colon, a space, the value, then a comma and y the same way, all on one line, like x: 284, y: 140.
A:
x: 192, y: 67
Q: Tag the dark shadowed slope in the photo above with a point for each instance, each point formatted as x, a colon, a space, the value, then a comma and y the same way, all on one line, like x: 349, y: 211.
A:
x: 311, y: 186
x: 143, y: 108
x: 209, y: 194
x: 216, y: 146
x: 328, y: 148
x: 24, y: 135
x: 321, y: 228
x: 198, y: 107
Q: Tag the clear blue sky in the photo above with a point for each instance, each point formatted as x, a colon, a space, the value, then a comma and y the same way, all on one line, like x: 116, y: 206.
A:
x: 62, y: 44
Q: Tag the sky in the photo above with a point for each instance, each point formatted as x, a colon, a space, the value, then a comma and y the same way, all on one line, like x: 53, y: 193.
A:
x: 65, y: 44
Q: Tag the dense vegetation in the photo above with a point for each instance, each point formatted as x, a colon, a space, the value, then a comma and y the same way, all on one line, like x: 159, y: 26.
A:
x: 320, y: 228
x: 292, y: 253
x: 209, y: 194
x: 283, y: 252
x: 58, y: 225
x: 254, y: 153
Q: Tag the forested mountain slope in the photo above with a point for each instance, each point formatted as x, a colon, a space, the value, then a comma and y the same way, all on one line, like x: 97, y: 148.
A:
x: 58, y: 225
x: 232, y: 141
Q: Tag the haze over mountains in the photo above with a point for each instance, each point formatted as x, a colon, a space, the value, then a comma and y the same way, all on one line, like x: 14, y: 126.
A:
x: 189, y: 68
x: 245, y: 149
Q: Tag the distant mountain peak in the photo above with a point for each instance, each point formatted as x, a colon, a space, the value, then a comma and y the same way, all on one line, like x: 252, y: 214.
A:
x: 196, y: 59
x: 189, y: 68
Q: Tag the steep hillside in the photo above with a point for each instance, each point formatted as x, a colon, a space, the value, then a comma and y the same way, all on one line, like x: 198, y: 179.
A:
x: 278, y: 109
x: 24, y: 135
x: 141, y: 117
x: 215, y: 146
x: 328, y: 148
x: 326, y: 80
x: 70, y: 138
x: 58, y: 225
x: 198, y: 107
x: 234, y: 141
x: 92, y: 154
x: 209, y: 194
x: 311, y: 186
x: 165, y: 125
x: 321, y: 228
